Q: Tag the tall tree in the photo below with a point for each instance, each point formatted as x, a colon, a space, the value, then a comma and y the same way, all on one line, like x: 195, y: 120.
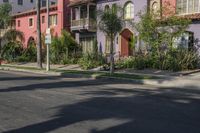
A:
x: 110, y: 23
x: 39, y: 42
x: 5, y: 20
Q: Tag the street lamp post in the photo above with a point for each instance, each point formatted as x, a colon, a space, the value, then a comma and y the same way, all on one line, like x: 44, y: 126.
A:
x: 48, y: 25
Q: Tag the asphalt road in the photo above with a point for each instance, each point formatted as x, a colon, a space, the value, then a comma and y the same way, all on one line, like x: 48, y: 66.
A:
x: 32, y: 103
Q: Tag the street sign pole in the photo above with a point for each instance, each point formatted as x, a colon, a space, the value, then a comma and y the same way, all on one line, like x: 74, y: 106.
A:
x: 48, y: 60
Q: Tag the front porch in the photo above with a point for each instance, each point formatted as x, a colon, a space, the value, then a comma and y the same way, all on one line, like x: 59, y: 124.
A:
x: 83, y: 17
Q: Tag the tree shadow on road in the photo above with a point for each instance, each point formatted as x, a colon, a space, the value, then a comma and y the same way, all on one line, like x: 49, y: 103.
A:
x: 162, y: 110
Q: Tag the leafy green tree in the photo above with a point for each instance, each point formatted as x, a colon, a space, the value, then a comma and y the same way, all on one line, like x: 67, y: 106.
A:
x: 68, y: 43
x: 14, y: 36
x: 110, y: 23
x: 5, y: 20
x: 159, y: 32
x: 13, y: 46
x: 62, y: 47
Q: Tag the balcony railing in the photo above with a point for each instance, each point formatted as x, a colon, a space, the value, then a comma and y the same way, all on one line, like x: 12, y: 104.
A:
x: 83, y: 24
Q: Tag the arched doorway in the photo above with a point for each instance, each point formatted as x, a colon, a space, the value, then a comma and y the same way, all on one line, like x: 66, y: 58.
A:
x: 31, y: 41
x: 126, y: 50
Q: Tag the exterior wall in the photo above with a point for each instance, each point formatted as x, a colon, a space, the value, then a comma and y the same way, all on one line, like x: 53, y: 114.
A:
x: 138, y: 6
x: 194, y: 27
x: 61, y: 11
x: 27, y: 5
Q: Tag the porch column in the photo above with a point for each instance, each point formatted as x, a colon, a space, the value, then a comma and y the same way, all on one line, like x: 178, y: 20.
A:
x: 88, y: 11
x: 71, y: 15
x: 88, y: 14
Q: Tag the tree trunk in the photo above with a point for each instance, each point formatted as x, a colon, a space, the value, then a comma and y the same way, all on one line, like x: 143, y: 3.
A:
x: 39, y: 45
x: 0, y: 50
x: 111, y: 56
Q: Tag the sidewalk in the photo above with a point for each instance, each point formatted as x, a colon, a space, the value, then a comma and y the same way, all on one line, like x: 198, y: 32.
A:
x: 164, y: 78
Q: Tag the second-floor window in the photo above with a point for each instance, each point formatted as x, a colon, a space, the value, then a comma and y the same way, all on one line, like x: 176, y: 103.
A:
x: 187, y: 6
x: 129, y: 10
x: 30, y: 22
x: 53, y: 20
x: 20, y: 2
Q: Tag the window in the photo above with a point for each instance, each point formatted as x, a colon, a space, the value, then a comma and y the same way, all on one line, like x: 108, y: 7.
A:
x: 53, y: 3
x: 187, y: 6
x: 30, y: 22
x: 114, y: 8
x: 129, y: 10
x: 18, y: 23
x: 186, y: 40
x: 44, y: 3
x: 43, y: 19
x: 5, y: 1
x: 106, y: 8
x: 20, y: 2
x: 87, y: 44
x: 155, y: 7
x: 83, y: 12
x: 107, y: 46
x: 53, y: 20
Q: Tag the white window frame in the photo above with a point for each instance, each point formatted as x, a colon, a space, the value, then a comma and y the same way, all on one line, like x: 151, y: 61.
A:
x: 187, y: 9
x: 29, y: 22
x: 132, y: 12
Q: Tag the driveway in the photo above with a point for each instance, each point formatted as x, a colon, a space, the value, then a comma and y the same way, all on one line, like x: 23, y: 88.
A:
x: 31, y: 103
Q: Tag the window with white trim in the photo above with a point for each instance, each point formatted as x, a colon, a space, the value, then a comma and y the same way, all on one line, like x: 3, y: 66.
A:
x: 187, y: 6
x: 129, y: 10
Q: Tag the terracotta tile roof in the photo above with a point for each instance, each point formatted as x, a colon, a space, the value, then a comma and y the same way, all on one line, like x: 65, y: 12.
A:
x: 195, y: 16
x: 33, y: 11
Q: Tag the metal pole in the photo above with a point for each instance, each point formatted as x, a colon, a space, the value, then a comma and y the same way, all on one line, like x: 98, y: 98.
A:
x: 48, y: 25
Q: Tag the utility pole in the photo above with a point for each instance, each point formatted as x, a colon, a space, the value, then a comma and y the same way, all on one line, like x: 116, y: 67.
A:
x: 48, y: 26
x: 39, y: 46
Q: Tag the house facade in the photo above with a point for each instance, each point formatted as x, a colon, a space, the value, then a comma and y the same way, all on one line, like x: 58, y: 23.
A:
x: 83, y: 23
x: 188, y: 9
x: 58, y: 17
x: 23, y: 5
x: 130, y: 9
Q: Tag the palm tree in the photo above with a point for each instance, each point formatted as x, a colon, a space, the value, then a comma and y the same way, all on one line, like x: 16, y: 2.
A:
x: 14, y: 36
x: 39, y: 42
x: 110, y: 23
x: 5, y: 20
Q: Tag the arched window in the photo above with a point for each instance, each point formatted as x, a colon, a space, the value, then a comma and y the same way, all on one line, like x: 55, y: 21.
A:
x: 106, y: 8
x: 129, y: 10
x: 155, y: 7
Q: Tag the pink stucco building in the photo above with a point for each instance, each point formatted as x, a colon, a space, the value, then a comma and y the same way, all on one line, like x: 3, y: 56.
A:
x: 59, y: 19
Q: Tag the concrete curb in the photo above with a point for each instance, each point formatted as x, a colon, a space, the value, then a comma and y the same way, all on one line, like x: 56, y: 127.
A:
x: 170, y: 82
x: 31, y: 71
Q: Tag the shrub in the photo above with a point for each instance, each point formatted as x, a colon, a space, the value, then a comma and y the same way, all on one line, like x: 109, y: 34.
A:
x: 64, y: 49
x: 29, y: 54
x: 174, y: 60
x: 89, y: 61
x: 11, y: 51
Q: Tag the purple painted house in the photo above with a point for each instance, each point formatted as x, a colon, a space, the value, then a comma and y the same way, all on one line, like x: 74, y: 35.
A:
x: 130, y: 10
x: 84, y: 24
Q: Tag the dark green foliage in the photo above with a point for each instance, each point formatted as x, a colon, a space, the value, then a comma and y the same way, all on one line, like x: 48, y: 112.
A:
x: 5, y: 17
x: 5, y: 20
x: 89, y: 61
x: 11, y: 51
x: 176, y: 60
x: 29, y: 54
x: 111, y: 23
x: 64, y: 49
